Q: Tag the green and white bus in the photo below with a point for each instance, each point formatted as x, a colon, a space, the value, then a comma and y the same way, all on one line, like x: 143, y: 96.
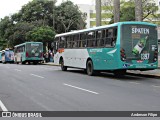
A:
x: 28, y: 52
x: 117, y: 47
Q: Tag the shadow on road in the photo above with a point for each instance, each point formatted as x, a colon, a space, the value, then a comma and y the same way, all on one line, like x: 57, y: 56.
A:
x: 110, y: 75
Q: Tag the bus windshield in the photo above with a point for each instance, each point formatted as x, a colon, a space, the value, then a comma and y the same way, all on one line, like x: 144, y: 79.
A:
x: 34, y: 49
x: 139, y: 41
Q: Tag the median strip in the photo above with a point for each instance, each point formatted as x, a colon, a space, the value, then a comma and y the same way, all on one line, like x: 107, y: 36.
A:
x: 80, y: 88
x: 36, y: 75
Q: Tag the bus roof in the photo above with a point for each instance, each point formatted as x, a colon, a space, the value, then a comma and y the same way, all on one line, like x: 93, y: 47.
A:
x: 103, y: 27
x: 26, y: 43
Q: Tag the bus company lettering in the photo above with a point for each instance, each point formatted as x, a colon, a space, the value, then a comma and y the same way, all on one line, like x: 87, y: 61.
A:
x: 140, y: 30
x: 34, y: 44
x: 95, y: 50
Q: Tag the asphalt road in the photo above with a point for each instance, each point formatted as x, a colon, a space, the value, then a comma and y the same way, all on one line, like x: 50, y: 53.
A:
x: 47, y: 88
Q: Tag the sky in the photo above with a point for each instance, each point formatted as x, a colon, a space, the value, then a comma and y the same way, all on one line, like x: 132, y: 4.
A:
x: 9, y: 7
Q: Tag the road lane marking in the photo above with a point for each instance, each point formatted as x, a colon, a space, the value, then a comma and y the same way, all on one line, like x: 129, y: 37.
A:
x: 36, y: 75
x: 7, y: 67
x: 80, y: 88
x: 47, y: 68
x: 2, y: 106
x: 156, y: 86
x: 134, y: 82
x: 18, y: 70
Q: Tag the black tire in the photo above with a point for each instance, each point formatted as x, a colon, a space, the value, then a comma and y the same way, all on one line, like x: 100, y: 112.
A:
x: 90, y: 68
x: 63, y: 68
x: 119, y: 73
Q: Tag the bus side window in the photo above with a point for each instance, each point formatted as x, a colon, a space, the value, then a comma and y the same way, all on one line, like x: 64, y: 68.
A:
x: 62, y: 42
x: 83, y: 40
x: 109, y: 37
x: 91, y: 42
x: 75, y: 42
x: 71, y: 41
x: 56, y: 44
x: 67, y: 41
x: 100, y: 36
x: 114, y: 37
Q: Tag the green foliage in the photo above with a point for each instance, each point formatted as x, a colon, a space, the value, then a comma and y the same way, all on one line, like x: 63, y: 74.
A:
x: 20, y: 30
x: 3, y: 44
x: 41, y: 34
x: 68, y: 17
x: 127, y: 11
x: 34, y: 22
x: 37, y: 10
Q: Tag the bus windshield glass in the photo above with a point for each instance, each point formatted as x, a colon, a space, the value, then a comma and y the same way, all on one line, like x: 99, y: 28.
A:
x: 139, y: 41
x: 34, y: 49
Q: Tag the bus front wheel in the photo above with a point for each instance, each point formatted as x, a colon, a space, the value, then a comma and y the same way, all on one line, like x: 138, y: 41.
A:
x: 90, y: 70
x: 63, y: 68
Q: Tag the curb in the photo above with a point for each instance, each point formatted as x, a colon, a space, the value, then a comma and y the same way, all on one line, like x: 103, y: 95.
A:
x: 144, y: 75
x: 50, y: 64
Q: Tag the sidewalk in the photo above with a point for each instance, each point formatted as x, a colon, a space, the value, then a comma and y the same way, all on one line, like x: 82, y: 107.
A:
x: 154, y: 73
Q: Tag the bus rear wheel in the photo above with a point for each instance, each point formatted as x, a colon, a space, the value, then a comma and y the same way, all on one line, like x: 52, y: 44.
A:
x: 90, y: 70
x: 63, y: 68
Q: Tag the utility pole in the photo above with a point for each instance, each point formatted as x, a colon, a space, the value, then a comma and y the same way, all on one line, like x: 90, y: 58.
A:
x: 138, y: 10
x: 116, y: 10
x: 98, y: 12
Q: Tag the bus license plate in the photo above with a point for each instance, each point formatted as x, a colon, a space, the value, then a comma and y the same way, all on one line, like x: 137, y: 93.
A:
x: 144, y: 56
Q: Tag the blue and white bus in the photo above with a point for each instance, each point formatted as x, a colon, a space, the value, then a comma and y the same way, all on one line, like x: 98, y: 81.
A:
x: 7, y: 56
x: 117, y: 47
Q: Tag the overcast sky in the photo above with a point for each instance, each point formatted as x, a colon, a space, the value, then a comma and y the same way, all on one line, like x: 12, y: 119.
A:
x: 8, y: 7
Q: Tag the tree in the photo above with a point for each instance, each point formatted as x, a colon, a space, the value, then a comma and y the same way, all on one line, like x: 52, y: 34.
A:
x: 138, y: 10
x: 98, y: 12
x: 116, y: 11
x: 130, y: 14
x: 43, y: 34
x: 3, y: 44
x: 36, y: 10
x: 6, y: 29
x: 19, y: 35
x: 149, y: 10
x: 67, y: 17
x: 34, y: 22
